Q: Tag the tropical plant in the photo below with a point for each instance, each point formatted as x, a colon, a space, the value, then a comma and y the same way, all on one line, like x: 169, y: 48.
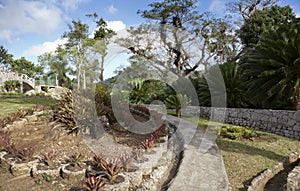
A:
x: 177, y: 102
x: 149, y: 143
x: 228, y: 85
x: 272, y: 67
x: 65, y: 113
x: 75, y: 159
x: 48, y: 157
x: 93, y: 184
x: 126, y: 161
x: 25, y: 154
x: 111, y: 167
x: 138, y: 153
x: 12, y: 85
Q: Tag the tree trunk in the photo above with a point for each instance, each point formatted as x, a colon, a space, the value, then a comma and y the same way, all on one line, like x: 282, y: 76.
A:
x: 297, y: 100
x: 178, y: 112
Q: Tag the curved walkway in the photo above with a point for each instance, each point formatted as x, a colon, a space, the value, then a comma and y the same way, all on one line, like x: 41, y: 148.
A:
x: 200, y: 170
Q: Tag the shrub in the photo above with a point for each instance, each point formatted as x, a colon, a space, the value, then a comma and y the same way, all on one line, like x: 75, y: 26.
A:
x: 237, y: 132
x: 12, y: 85
x: 65, y: 113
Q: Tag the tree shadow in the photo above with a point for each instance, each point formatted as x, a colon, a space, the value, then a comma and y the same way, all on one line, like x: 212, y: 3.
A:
x: 231, y: 146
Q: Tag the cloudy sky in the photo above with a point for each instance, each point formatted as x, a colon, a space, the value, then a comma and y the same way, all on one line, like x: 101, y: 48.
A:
x: 31, y: 27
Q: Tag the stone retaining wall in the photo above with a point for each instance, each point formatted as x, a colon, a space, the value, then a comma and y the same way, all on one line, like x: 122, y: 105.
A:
x: 285, y: 123
x: 281, y: 122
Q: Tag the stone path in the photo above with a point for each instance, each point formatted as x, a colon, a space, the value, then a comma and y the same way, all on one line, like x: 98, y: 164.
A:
x: 202, y: 167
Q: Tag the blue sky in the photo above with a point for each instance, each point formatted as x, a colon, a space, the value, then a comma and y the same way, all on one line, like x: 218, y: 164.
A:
x: 30, y: 28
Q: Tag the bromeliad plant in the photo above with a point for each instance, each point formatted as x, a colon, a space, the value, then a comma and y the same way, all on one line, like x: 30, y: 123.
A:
x: 4, y: 139
x: 94, y: 184
x: 25, y: 154
x: 75, y: 159
x: 137, y: 153
x: 111, y: 167
x: 126, y: 161
x: 65, y: 113
x: 149, y: 143
x: 49, y: 157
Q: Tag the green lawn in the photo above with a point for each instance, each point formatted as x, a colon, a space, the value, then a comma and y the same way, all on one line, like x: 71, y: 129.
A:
x: 10, y: 105
x: 245, y: 159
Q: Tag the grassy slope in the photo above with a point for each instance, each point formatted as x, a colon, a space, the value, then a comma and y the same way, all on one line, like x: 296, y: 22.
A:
x: 10, y: 105
x: 244, y: 160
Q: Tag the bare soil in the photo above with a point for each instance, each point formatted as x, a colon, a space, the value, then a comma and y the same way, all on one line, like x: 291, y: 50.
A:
x: 46, y: 136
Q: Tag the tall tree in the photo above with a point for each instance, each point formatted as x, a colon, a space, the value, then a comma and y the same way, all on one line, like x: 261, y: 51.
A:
x: 102, y: 35
x: 5, y: 58
x: 77, y: 46
x: 235, y: 87
x: 269, y: 18
x: 58, y: 66
x: 26, y: 67
x: 176, y: 35
x: 272, y: 67
x: 240, y: 16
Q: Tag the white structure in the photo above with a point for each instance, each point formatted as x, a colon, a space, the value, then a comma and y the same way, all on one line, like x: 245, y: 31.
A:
x: 6, y: 75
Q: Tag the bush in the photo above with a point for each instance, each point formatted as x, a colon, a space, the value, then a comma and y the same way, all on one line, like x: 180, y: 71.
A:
x: 237, y: 132
x: 12, y: 85
x: 65, y: 113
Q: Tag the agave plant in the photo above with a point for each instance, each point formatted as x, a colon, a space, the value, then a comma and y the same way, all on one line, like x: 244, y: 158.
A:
x: 94, y: 184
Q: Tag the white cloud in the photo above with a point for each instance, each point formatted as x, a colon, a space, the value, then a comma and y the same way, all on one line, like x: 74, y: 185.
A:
x: 217, y: 6
x: 28, y: 17
x: 116, y: 25
x: 298, y: 15
x: 40, y: 49
x: 112, y: 9
x: 71, y: 5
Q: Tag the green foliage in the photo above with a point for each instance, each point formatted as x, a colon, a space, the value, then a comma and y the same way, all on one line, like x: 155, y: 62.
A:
x: 262, y: 21
x: 75, y: 159
x: 272, y: 67
x: 65, y: 113
x: 12, y: 85
x: 5, y: 58
x: 177, y: 102
x: 58, y: 66
x: 232, y: 82
x: 23, y: 66
x: 237, y: 132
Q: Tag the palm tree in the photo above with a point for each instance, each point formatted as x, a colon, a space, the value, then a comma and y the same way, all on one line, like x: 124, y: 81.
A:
x: 273, y: 66
x: 177, y: 102
x: 228, y: 83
